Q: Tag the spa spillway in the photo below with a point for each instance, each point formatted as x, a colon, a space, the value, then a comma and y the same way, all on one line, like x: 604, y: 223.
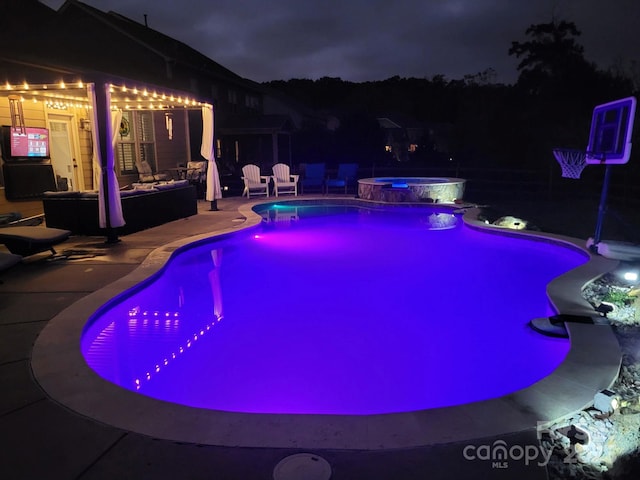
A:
x: 411, y: 189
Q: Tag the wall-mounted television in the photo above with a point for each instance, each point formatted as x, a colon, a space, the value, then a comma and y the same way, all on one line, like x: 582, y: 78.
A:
x: 28, y: 143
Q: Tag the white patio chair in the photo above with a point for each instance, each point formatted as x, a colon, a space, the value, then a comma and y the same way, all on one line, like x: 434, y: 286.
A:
x: 254, y: 182
x: 283, y: 180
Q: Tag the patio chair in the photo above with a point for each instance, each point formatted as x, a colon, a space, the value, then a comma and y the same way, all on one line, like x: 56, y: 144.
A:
x: 27, y: 241
x: 347, y: 176
x: 197, y: 175
x: 283, y: 180
x: 146, y: 175
x: 254, y: 182
x: 313, y: 176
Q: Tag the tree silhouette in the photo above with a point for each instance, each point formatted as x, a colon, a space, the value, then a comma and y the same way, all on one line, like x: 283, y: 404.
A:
x: 477, y: 122
x: 557, y: 90
x: 551, y: 53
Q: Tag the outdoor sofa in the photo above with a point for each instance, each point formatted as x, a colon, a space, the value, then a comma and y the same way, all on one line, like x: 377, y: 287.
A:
x: 143, y: 206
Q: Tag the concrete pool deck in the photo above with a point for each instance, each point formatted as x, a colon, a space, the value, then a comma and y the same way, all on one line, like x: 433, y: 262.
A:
x: 45, y: 439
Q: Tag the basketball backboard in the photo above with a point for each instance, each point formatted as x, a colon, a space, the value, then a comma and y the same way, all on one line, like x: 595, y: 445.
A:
x: 610, y: 135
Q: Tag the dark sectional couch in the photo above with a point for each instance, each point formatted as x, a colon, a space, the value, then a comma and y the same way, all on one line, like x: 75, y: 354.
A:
x: 142, y: 208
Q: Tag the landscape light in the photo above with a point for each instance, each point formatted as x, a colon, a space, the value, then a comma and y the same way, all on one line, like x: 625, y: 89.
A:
x: 631, y: 276
x: 606, y: 401
x: 628, y: 272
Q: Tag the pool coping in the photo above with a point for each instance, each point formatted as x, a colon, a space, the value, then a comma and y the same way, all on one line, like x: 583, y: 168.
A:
x: 591, y: 365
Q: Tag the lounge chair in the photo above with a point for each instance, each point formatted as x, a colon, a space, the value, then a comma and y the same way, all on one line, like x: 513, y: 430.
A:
x: 313, y: 176
x: 254, y: 182
x: 27, y: 241
x: 283, y: 180
x: 8, y: 260
x: 346, y: 177
x: 146, y: 175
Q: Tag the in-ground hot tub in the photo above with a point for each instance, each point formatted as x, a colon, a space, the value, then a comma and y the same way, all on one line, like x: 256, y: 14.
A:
x: 411, y: 189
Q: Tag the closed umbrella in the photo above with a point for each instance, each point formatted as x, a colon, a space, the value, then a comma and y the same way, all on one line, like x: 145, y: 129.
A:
x: 214, y: 192
x: 109, y: 201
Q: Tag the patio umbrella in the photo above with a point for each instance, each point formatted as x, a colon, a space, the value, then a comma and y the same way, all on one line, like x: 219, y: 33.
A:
x: 207, y: 151
x: 109, y: 202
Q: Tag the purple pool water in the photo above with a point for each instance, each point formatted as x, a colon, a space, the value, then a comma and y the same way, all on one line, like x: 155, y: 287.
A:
x: 337, y: 310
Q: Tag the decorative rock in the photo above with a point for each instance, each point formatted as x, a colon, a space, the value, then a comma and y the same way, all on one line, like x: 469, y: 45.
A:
x: 619, y: 434
x: 513, y: 223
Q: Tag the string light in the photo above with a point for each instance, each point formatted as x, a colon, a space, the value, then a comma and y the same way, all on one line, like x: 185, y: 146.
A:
x: 75, y: 96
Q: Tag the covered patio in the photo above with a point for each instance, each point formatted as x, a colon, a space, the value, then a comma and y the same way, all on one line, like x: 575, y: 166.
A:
x: 99, y: 131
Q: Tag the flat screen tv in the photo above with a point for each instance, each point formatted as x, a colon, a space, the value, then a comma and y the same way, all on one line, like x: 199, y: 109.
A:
x: 29, y: 143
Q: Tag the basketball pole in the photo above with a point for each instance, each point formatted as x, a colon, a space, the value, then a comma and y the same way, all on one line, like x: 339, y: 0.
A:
x: 609, y: 144
x: 602, y: 208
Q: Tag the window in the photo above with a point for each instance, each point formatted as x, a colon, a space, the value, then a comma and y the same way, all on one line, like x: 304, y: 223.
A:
x: 214, y: 93
x: 252, y: 102
x: 136, y: 141
x: 232, y: 98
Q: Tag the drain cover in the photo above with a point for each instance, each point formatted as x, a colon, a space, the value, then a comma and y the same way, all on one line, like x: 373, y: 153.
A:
x: 302, y: 466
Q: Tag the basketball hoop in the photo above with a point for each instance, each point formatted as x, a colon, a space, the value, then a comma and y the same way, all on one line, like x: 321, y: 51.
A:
x: 571, y: 161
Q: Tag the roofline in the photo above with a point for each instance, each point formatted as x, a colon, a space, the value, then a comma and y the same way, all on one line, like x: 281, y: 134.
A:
x: 102, y: 18
x: 96, y: 77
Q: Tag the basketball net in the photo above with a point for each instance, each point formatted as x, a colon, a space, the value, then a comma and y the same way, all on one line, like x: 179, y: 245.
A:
x: 572, y: 162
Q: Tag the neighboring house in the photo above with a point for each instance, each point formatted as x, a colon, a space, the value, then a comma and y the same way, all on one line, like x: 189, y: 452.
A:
x: 48, y: 59
x: 406, y: 139
x: 304, y: 122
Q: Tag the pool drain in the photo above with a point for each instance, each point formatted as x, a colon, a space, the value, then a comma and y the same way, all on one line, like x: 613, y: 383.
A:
x: 302, y: 466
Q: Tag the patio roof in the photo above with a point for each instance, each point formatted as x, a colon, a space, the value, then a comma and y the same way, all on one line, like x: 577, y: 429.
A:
x: 126, y: 96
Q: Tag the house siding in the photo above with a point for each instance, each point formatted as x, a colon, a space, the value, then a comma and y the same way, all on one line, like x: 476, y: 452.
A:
x: 174, y: 152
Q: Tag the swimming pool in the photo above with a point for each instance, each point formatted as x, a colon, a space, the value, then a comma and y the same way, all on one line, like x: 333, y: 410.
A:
x: 336, y: 310
x: 59, y: 367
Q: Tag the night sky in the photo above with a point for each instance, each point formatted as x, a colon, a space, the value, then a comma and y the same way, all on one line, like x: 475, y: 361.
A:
x: 362, y: 40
